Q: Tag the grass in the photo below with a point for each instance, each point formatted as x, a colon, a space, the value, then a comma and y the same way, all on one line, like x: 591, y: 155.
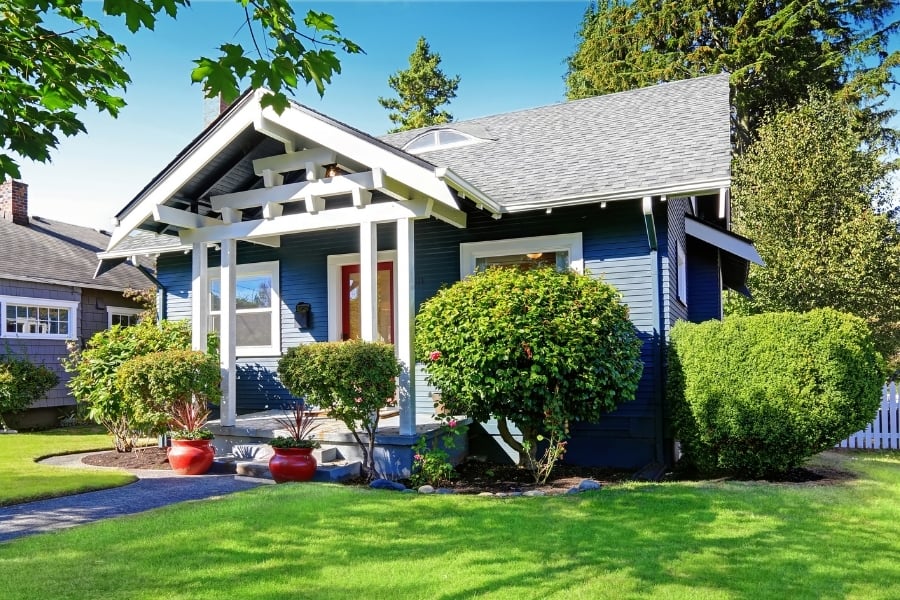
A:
x: 22, y: 479
x: 678, y: 540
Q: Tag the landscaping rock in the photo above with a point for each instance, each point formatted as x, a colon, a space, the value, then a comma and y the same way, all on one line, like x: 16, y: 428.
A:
x: 501, y: 495
x: 387, y: 484
x: 486, y: 494
x: 532, y: 493
x: 589, y: 484
x: 443, y: 491
x: 426, y: 489
x: 407, y: 491
x: 572, y: 491
x: 514, y: 494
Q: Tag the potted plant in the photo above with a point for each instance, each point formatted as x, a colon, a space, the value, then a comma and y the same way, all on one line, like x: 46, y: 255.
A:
x: 293, y: 459
x: 170, y: 391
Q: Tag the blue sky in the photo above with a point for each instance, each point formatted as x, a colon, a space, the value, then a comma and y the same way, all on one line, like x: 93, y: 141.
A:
x: 510, y: 55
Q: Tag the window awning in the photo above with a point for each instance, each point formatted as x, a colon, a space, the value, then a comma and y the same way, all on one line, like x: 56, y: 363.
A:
x: 737, y: 252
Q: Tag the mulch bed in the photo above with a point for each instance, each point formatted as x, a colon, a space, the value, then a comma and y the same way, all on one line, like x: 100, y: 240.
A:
x: 475, y: 476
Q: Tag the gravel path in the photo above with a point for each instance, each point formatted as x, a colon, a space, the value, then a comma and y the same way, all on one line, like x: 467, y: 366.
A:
x: 152, y: 490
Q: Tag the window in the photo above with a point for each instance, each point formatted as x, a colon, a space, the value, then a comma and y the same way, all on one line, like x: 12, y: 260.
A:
x: 39, y: 318
x: 343, y: 300
x: 563, y: 251
x: 126, y: 317
x: 438, y: 139
x: 681, y: 261
x: 257, y: 305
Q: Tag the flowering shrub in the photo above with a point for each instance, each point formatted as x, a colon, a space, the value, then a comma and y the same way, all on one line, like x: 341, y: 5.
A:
x: 538, y: 348
x: 432, y: 465
x: 352, y: 380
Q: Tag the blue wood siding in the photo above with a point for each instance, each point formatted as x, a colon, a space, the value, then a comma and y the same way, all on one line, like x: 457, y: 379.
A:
x: 614, y: 247
x: 704, y: 282
x: 674, y: 308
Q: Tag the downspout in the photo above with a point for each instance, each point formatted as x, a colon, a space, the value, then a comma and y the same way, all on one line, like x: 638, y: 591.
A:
x: 658, y: 329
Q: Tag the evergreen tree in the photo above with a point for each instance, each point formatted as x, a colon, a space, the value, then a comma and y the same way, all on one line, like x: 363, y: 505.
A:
x: 814, y: 197
x: 421, y: 89
x: 774, y: 50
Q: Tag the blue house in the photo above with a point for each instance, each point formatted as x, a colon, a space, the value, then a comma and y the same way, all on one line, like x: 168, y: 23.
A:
x: 294, y: 228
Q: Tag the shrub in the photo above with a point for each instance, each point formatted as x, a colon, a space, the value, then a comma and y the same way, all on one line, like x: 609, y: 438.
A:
x: 94, y: 373
x: 352, y: 380
x: 21, y: 383
x: 755, y: 396
x: 170, y: 389
x: 538, y: 348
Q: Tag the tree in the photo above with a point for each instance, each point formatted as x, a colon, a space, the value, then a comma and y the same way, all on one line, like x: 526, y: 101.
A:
x: 422, y: 90
x: 49, y: 72
x: 538, y: 348
x: 814, y: 199
x: 774, y: 50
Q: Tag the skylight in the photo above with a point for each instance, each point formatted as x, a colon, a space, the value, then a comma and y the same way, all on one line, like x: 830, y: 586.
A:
x: 438, y: 139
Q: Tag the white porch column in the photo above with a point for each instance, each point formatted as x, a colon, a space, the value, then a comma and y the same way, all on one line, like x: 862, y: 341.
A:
x: 368, y: 281
x: 227, y: 327
x: 199, y: 297
x: 405, y: 315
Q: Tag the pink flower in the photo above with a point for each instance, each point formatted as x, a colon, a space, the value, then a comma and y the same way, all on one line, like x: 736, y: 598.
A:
x: 359, y: 400
x: 435, y: 355
x: 451, y: 423
x: 417, y: 456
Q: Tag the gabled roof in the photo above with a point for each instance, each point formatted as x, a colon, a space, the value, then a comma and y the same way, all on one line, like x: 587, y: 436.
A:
x: 58, y: 253
x: 673, y: 136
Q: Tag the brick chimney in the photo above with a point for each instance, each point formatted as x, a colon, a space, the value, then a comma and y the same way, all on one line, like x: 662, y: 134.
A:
x: 14, y: 202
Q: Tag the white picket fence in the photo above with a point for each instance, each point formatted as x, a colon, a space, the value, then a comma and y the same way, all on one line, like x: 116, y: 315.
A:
x: 884, y: 432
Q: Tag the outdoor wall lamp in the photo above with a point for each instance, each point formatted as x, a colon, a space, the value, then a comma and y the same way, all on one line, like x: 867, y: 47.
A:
x: 302, y: 312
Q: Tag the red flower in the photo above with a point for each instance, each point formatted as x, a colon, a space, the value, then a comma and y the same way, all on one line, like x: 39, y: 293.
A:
x: 435, y: 355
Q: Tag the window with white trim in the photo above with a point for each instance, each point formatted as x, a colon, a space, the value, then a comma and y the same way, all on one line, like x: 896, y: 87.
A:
x: 563, y: 251
x: 257, y: 308
x: 38, y: 318
x: 119, y: 315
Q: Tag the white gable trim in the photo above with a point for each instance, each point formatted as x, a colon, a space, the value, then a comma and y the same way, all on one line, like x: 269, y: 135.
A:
x: 720, y: 239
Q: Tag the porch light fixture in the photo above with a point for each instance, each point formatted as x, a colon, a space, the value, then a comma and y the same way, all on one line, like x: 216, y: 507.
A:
x: 603, y: 205
x: 302, y: 312
x: 534, y: 255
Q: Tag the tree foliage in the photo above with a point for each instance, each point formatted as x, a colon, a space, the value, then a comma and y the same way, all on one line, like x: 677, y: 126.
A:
x: 758, y: 395
x: 422, y: 90
x: 814, y: 199
x: 774, y: 50
x: 55, y: 60
x: 538, y: 348
x: 22, y: 382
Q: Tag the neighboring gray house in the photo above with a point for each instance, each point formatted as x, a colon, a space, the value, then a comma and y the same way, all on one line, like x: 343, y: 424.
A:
x: 294, y: 228
x: 48, y: 293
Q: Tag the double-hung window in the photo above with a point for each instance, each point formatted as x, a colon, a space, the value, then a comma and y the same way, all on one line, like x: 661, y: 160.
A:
x: 38, y: 318
x: 257, y: 305
x: 117, y: 315
x: 560, y: 251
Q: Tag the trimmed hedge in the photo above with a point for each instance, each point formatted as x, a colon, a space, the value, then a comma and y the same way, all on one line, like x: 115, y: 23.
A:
x: 22, y: 382
x: 755, y: 396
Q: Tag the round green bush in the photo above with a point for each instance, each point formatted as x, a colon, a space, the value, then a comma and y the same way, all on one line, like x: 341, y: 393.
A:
x: 22, y: 382
x: 755, y: 396
x: 539, y: 348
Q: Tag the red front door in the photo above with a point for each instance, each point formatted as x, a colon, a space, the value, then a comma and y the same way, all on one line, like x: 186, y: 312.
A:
x: 350, y: 302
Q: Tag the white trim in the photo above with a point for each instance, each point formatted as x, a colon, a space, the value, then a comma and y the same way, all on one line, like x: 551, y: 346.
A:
x: 720, y: 239
x: 435, y: 134
x: 681, y: 272
x: 70, y: 305
x: 570, y: 242
x: 121, y: 311
x: 335, y: 262
x: 271, y: 268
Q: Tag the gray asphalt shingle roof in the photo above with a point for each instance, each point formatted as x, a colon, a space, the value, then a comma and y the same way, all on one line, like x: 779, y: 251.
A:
x: 60, y: 253
x: 661, y: 136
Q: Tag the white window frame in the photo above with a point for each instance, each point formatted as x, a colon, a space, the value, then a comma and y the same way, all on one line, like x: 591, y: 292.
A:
x: 270, y: 268
x: 435, y: 134
x: 681, y: 272
x: 470, y: 252
x: 71, y: 305
x: 335, y: 262
x: 121, y: 311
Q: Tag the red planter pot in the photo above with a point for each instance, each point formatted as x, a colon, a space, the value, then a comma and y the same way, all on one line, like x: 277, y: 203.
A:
x: 292, y: 464
x: 191, y: 457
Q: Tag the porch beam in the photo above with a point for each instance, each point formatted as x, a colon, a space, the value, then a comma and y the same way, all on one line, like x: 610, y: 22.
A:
x: 276, y: 132
x: 181, y: 218
x: 405, y: 315
x: 368, y: 281
x: 302, y: 222
x: 294, y: 161
x: 227, y: 331
x: 295, y: 192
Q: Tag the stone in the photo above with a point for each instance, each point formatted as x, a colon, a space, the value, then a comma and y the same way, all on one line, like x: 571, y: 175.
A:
x: 387, y: 484
x: 532, y: 493
x: 572, y: 491
x: 443, y: 491
x: 589, y: 484
x: 486, y: 494
x: 501, y: 494
x: 515, y: 494
x: 426, y: 489
x: 407, y: 491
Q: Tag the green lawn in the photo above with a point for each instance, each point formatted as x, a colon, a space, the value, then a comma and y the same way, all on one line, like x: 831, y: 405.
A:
x: 22, y: 479
x: 680, y: 540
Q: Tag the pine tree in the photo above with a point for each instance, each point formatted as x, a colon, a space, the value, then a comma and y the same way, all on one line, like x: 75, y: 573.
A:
x: 421, y: 89
x: 775, y: 51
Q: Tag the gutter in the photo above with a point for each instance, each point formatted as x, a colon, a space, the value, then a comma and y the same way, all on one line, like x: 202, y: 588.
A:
x: 467, y: 190
x: 658, y: 329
